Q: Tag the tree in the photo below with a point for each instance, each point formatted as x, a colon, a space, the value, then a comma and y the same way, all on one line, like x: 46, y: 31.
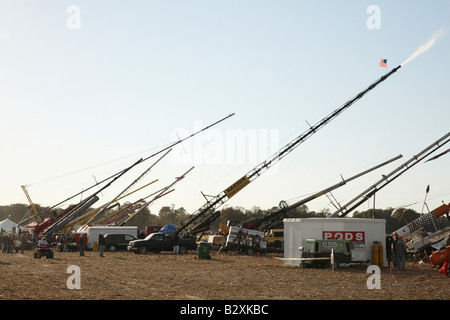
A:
x: 167, y: 215
x: 143, y: 218
x: 300, y: 212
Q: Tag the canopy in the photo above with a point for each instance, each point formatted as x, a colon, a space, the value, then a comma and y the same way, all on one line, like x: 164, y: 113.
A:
x: 168, y: 229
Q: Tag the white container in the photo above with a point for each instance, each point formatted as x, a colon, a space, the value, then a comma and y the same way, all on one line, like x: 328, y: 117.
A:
x: 362, y: 233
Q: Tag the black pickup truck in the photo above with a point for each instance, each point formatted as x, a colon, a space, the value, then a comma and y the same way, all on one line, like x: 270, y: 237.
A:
x: 157, y: 242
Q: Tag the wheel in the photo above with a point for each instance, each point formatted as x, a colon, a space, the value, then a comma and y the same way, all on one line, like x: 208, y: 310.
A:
x: 250, y: 251
x: 283, y: 204
x: 112, y: 248
x: 182, y: 249
x: 142, y: 250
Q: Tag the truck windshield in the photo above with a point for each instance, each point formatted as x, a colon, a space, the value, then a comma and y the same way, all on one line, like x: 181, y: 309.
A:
x: 149, y: 236
x: 155, y: 237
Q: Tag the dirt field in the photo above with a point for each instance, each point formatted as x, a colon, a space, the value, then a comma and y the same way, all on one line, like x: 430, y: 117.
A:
x: 226, y: 276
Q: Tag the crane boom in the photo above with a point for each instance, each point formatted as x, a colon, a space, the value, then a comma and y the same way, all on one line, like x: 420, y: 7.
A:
x: 208, y: 210
x: 33, y: 207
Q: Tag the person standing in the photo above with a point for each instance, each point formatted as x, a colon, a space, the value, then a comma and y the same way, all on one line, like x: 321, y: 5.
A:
x: 64, y: 240
x: 394, y: 241
x: 81, y: 243
x: 400, y: 253
x: 101, y: 244
x: 389, y: 242
x: 11, y: 243
x: 176, y: 243
x: 5, y: 243
x: 23, y: 241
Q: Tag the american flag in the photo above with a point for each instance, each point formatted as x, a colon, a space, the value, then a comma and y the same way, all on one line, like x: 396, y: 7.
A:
x: 383, y: 63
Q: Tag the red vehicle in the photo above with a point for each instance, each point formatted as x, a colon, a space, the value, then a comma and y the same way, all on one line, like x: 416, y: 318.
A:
x: 439, y: 257
x: 152, y: 229
x: 43, y: 251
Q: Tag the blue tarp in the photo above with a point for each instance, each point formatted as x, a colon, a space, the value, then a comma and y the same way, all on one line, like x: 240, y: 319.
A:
x: 168, y: 229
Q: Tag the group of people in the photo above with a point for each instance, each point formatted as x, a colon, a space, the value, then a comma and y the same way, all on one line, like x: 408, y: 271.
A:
x: 396, y: 247
x: 12, y: 242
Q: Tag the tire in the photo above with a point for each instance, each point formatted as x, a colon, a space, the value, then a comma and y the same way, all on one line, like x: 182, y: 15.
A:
x: 142, y: 250
x: 250, y: 251
x: 112, y: 248
x: 182, y: 250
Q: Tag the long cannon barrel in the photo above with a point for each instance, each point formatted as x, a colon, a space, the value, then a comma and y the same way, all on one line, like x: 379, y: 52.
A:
x: 164, y: 190
x: 207, y: 210
x: 60, y: 224
x: 127, y: 188
x: 140, y: 161
x: 423, y: 220
x: 265, y: 223
x: 386, y: 179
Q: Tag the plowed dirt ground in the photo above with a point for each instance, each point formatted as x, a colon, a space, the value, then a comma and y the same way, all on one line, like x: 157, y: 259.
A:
x: 226, y: 276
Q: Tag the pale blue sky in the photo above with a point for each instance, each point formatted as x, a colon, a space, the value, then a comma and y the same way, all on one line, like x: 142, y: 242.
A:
x: 91, y: 101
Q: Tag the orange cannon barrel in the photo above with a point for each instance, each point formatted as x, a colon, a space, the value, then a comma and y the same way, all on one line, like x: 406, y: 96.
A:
x: 439, y: 257
x: 440, y: 211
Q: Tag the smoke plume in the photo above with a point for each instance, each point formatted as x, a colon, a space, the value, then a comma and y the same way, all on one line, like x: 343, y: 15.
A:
x: 423, y: 48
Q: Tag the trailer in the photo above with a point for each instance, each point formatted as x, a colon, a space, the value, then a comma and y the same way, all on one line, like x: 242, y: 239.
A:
x: 92, y: 233
x: 245, y: 241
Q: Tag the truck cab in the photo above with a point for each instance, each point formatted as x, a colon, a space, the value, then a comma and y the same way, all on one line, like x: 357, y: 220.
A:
x: 114, y: 242
x: 275, y: 240
x: 158, y: 241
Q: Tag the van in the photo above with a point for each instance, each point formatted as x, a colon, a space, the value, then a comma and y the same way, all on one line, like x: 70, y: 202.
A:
x: 94, y: 231
x: 114, y: 242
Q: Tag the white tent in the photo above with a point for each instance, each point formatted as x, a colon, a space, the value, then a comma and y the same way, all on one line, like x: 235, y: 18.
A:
x: 8, y: 225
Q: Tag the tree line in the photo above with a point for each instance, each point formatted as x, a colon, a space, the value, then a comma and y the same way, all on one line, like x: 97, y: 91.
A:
x: 173, y: 215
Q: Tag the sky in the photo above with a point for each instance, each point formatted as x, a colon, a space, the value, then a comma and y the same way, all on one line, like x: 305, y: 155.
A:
x: 87, y: 88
